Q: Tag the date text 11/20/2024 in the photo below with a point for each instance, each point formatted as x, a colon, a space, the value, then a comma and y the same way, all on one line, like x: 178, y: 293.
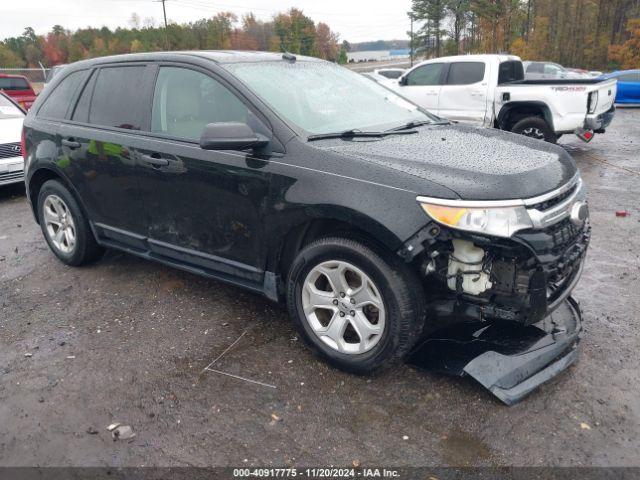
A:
x: 315, y: 472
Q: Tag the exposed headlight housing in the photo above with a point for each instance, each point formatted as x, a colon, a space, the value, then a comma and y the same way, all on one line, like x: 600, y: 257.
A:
x: 500, y: 219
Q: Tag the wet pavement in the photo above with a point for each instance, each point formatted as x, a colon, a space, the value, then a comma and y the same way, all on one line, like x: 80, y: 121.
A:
x: 126, y: 340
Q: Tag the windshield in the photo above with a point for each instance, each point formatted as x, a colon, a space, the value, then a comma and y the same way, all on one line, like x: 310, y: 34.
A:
x: 13, y: 83
x: 320, y: 97
x: 8, y: 109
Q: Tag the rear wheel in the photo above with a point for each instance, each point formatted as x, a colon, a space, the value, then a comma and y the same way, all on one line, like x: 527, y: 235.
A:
x: 65, y: 227
x: 535, y: 127
x: 360, y: 308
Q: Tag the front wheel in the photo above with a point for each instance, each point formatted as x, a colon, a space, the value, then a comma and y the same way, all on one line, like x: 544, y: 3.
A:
x: 535, y: 127
x: 360, y: 308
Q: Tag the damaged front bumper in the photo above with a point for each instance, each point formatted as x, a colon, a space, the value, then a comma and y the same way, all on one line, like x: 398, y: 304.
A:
x: 508, y: 359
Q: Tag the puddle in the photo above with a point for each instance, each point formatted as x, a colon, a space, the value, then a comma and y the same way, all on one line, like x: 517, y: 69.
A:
x: 461, y: 449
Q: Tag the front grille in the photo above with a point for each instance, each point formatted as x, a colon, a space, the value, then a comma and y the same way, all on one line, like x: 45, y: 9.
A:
x: 557, y: 200
x: 9, y: 150
x: 563, y: 235
x: 11, y: 176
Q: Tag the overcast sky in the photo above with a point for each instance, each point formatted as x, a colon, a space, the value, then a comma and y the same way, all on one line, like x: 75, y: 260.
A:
x: 354, y: 20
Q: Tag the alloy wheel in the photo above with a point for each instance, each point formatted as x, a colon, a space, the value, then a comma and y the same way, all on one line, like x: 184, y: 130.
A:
x: 343, y: 307
x: 59, y: 223
x: 533, y: 132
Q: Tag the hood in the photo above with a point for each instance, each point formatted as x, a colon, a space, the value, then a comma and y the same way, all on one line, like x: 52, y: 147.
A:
x: 476, y: 163
x: 10, y: 129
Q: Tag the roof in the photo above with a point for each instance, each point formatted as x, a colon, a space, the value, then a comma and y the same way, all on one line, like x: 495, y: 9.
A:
x: 477, y: 58
x: 10, y: 75
x: 218, y: 56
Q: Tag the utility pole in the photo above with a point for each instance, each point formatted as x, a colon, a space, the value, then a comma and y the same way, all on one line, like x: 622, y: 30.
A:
x: 166, y: 34
x: 411, y: 39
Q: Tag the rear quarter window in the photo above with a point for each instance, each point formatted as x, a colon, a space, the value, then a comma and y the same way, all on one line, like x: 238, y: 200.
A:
x: 510, y: 71
x: 118, y: 97
x: 59, y: 100
x: 465, y: 73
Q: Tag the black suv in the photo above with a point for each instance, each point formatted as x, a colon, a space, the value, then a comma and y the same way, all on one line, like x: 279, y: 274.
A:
x: 374, y: 220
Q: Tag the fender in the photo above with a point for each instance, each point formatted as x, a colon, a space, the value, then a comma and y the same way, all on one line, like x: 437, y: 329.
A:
x: 46, y: 172
x: 507, y: 108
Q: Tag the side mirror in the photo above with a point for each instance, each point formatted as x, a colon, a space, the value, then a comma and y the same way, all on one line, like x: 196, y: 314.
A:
x: 403, y: 81
x: 231, y: 136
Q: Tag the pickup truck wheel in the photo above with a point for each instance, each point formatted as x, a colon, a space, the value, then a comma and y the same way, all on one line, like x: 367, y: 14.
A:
x: 535, y: 127
x: 360, y: 308
x: 64, y: 226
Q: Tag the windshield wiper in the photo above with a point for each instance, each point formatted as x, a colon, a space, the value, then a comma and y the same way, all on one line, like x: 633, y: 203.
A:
x: 355, y: 133
x: 416, y: 123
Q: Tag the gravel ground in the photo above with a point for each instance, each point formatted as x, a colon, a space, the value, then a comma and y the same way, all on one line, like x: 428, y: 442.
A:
x: 125, y: 340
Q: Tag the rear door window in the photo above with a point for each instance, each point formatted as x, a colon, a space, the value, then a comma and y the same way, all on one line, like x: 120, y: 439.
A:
x: 465, y: 73
x: 426, y: 75
x: 118, y: 97
x: 59, y: 100
x: 185, y: 101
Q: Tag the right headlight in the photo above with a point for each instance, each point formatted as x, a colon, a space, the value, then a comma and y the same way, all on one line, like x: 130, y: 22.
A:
x: 499, y: 221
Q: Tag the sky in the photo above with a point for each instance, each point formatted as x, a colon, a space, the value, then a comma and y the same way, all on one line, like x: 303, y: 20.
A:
x: 354, y: 20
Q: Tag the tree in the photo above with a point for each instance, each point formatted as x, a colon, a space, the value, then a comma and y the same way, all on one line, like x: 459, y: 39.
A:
x: 326, y: 42
x: 8, y: 58
x: 458, y: 11
x: 627, y: 54
x: 432, y: 12
x: 296, y: 32
x: 343, y: 58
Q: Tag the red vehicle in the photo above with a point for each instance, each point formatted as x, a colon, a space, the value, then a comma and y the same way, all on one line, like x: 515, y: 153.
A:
x: 19, y: 89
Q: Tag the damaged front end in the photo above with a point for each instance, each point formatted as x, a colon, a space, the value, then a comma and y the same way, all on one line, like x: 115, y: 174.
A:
x: 511, y: 280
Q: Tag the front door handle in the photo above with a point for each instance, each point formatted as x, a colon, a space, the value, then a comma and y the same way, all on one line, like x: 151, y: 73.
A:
x: 71, y: 143
x: 154, y: 161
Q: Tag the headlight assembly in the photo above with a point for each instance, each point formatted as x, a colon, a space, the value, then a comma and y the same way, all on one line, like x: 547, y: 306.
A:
x: 492, y: 218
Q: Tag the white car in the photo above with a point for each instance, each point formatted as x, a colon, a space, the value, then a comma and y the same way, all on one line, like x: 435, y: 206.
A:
x: 390, y: 73
x: 549, y: 71
x: 385, y: 76
x: 11, y: 161
x: 492, y: 91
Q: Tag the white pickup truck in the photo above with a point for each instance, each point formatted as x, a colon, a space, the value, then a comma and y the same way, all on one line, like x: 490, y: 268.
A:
x: 490, y: 90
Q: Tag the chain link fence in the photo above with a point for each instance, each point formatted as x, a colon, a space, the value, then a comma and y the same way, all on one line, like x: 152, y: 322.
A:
x: 36, y: 76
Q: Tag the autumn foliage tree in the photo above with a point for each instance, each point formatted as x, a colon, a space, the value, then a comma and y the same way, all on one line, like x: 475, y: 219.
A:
x: 576, y: 33
x: 627, y: 54
x: 290, y: 31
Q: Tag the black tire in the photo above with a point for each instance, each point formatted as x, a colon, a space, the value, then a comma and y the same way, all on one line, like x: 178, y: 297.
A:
x: 86, y: 248
x: 400, y: 289
x: 539, y: 127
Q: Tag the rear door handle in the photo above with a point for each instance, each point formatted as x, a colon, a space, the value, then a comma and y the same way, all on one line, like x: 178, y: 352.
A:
x: 71, y: 143
x: 154, y: 160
